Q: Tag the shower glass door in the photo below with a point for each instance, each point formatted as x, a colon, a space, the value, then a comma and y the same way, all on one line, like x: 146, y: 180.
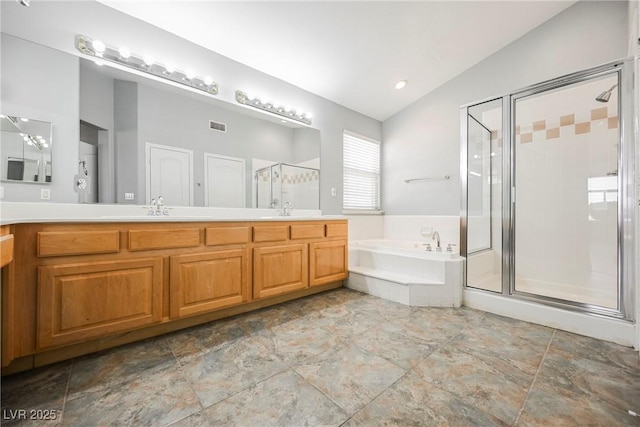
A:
x: 548, y: 207
x: 484, y: 195
x: 566, y: 150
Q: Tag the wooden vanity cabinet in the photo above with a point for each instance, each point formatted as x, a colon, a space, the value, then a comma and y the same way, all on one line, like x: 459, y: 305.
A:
x: 327, y: 262
x: 208, y: 281
x: 77, y: 302
x: 279, y: 269
x: 6, y: 246
x: 72, y: 289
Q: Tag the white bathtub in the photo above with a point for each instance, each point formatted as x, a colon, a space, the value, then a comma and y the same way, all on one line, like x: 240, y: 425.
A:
x: 403, y: 271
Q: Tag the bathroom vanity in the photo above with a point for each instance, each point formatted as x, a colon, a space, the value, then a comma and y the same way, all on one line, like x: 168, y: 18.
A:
x: 77, y: 287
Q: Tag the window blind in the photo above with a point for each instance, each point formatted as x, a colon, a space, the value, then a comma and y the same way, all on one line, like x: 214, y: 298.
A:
x: 361, y: 173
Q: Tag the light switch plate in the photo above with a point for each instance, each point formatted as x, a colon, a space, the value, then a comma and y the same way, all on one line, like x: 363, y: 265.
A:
x: 334, y: 192
x: 45, y: 194
x: 129, y: 196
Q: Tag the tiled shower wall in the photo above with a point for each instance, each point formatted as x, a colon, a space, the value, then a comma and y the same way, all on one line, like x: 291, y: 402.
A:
x: 566, y: 199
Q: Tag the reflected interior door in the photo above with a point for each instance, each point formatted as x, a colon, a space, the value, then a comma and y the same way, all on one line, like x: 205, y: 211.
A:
x: 169, y: 174
x: 89, y: 155
x: 224, y: 179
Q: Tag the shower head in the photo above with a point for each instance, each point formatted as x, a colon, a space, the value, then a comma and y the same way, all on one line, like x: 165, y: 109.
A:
x: 604, y: 96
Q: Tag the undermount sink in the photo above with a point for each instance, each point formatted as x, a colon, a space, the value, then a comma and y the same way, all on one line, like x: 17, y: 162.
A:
x: 153, y: 217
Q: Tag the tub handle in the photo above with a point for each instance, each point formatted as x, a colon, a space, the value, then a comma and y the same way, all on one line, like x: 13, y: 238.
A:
x: 450, y: 247
x: 428, y: 246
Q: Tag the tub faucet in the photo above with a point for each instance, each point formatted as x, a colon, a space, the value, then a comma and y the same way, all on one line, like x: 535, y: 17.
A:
x: 436, y: 237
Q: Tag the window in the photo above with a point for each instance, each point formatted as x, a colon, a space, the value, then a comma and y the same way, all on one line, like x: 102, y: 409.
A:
x: 361, y: 173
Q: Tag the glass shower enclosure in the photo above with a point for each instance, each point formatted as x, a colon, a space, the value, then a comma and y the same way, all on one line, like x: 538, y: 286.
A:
x: 283, y: 183
x: 548, y: 200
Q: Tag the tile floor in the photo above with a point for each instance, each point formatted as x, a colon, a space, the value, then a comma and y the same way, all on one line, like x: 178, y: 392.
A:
x: 340, y: 358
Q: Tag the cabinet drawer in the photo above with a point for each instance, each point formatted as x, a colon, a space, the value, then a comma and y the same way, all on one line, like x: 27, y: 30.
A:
x: 59, y: 243
x: 337, y: 229
x: 226, y: 235
x: 270, y: 233
x: 307, y: 231
x: 82, y: 301
x: 140, y: 240
x: 6, y: 246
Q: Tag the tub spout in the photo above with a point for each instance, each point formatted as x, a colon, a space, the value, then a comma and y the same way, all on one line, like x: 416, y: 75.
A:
x: 436, y: 237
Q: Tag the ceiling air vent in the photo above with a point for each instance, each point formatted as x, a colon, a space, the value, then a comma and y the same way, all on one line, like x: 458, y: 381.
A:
x: 220, y: 127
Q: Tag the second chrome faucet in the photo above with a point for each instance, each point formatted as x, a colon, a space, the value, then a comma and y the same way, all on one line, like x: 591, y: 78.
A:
x: 158, y: 208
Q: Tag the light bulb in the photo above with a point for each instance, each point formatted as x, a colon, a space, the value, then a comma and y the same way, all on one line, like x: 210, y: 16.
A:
x: 189, y: 74
x: 170, y: 68
x: 208, y: 80
x: 148, y: 60
x: 401, y: 84
x: 98, y: 46
x: 24, y: 119
x: 125, y: 52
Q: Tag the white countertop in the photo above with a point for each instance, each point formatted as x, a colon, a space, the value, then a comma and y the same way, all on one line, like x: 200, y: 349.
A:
x: 22, y: 212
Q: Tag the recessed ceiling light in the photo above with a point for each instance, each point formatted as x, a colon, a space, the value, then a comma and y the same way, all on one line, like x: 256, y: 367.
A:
x: 401, y: 84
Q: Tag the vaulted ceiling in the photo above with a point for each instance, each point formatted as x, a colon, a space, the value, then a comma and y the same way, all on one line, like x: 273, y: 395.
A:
x: 352, y: 53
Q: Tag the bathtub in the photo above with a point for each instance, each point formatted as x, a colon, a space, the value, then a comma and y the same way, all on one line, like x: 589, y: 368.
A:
x: 404, y: 272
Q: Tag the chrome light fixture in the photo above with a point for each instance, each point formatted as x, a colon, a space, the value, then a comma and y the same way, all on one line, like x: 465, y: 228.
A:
x: 124, y: 56
x: 271, y: 107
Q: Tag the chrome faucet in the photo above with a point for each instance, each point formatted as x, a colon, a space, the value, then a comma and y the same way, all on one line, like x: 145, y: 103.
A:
x: 436, y: 237
x: 286, y: 209
x: 158, y: 208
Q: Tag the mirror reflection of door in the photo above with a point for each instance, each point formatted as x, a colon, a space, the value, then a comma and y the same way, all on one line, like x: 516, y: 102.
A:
x: 224, y: 180
x: 89, y: 170
x: 169, y: 174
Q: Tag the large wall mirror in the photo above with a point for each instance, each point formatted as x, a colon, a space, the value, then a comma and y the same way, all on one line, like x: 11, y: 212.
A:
x: 161, y: 140
x: 129, y: 138
x: 26, y: 149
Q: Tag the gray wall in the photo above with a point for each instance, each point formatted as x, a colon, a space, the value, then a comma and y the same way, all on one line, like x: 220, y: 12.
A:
x: 55, y: 24
x: 41, y: 84
x: 424, y: 139
x: 126, y: 125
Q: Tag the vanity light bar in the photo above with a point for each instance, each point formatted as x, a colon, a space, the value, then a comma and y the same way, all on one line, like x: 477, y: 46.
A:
x: 124, y: 56
x: 271, y: 107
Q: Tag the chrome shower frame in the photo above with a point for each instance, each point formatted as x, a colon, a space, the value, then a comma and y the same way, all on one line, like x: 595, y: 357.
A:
x: 627, y: 200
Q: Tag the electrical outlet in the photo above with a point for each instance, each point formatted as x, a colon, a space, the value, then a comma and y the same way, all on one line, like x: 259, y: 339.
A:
x: 129, y: 196
x: 334, y: 192
x: 45, y: 194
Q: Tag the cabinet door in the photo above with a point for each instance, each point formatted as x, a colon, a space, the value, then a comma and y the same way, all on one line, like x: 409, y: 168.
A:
x: 208, y: 281
x: 327, y: 262
x: 77, y: 302
x: 279, y: 269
